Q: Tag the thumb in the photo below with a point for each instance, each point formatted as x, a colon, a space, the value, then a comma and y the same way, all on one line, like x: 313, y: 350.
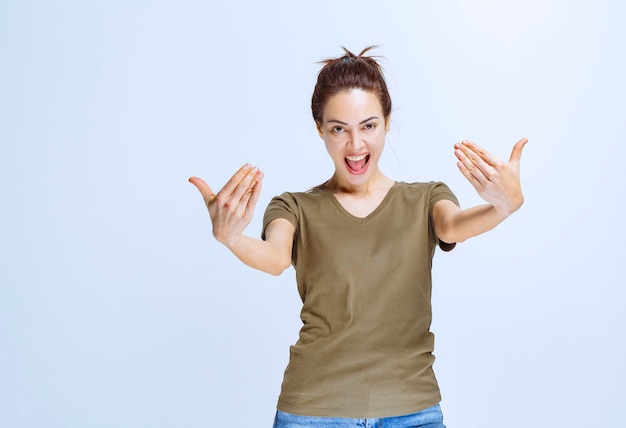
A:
x: 516, y: 154
x: 205, y: 190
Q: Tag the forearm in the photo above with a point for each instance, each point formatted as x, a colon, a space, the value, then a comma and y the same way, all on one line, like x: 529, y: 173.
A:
x: 262, y: 255
x: 470, y: 222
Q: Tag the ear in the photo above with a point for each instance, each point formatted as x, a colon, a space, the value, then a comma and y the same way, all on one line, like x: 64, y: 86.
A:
x: 387, y: 123
x: 318, y: 125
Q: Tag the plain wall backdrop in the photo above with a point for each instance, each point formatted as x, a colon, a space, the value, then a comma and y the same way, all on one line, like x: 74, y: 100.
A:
x: 119, y: 309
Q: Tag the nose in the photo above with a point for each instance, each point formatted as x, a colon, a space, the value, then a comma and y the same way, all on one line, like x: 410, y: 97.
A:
x: 356, y: 141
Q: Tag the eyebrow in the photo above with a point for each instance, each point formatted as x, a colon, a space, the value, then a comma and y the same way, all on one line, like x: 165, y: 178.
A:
x: 346, y: 124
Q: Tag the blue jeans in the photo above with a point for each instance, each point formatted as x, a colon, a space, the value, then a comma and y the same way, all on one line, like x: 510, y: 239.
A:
x: 428, y: 418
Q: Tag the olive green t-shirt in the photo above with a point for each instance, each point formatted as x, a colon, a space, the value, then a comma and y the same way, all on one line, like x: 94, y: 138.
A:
x: 365, y: 348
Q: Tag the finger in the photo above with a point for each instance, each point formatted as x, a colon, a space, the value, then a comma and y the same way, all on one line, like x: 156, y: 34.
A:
x: 256, y: 192
x: 232, y: 184
x: 205, y: 190
x: 516, y: 153
x: 468, y: 175
x: 251, y: 196
x: 242, y: 192
x: 472, y: 162
x: 486, y: 156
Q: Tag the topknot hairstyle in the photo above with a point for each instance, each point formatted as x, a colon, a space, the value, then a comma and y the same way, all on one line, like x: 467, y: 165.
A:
x: 347, y: 72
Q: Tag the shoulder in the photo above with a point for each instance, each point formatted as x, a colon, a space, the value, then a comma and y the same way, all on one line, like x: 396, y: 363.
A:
x: 292, y: 205
x: 298, y: 198
x: 430, y: 192
x: 421, y: 188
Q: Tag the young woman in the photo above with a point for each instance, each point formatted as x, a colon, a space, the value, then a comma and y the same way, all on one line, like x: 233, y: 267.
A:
x: 362, y: 247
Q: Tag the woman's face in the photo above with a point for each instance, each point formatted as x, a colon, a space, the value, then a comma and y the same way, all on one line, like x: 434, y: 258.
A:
x: 354, y: 129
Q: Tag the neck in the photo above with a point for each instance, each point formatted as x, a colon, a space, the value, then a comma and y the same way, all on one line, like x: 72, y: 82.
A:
x: 374, y: 184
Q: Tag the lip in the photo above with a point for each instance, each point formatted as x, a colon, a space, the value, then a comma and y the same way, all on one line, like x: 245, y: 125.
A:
x: 356, y: 158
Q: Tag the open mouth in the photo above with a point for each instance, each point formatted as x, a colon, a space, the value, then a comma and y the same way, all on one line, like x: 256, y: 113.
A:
x: 357, y: 164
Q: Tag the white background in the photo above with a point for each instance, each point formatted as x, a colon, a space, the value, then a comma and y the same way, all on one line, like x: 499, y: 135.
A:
x: 119, y: 309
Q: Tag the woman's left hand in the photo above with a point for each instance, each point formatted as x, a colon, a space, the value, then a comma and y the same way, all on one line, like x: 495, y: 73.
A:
x: 496, y: 181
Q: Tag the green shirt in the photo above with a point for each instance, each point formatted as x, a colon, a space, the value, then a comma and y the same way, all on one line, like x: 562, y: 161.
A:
x: 365, y: 347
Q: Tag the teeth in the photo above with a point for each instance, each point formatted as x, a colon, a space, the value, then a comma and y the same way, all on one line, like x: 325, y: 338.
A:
x: 356, y: 158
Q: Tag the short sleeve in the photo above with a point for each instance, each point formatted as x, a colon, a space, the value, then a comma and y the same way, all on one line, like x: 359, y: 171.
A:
x: 283, y: 206
x: 439, y: 192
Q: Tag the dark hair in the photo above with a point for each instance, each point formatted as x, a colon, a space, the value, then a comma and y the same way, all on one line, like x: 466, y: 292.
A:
x: 349, y: 72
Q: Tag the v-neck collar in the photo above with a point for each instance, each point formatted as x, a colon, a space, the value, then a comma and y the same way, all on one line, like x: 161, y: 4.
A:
x: 380, y: 207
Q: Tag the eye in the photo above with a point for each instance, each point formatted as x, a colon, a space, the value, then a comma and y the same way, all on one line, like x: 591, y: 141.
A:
x: 337, y: 129
x: 370, y: 126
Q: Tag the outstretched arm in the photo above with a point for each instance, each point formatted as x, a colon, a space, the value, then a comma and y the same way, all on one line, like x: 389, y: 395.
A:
x: 496, y: 181
x: 231, y: 211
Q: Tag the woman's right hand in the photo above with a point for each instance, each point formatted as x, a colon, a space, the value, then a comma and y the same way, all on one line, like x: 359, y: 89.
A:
x: 231, y: 209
